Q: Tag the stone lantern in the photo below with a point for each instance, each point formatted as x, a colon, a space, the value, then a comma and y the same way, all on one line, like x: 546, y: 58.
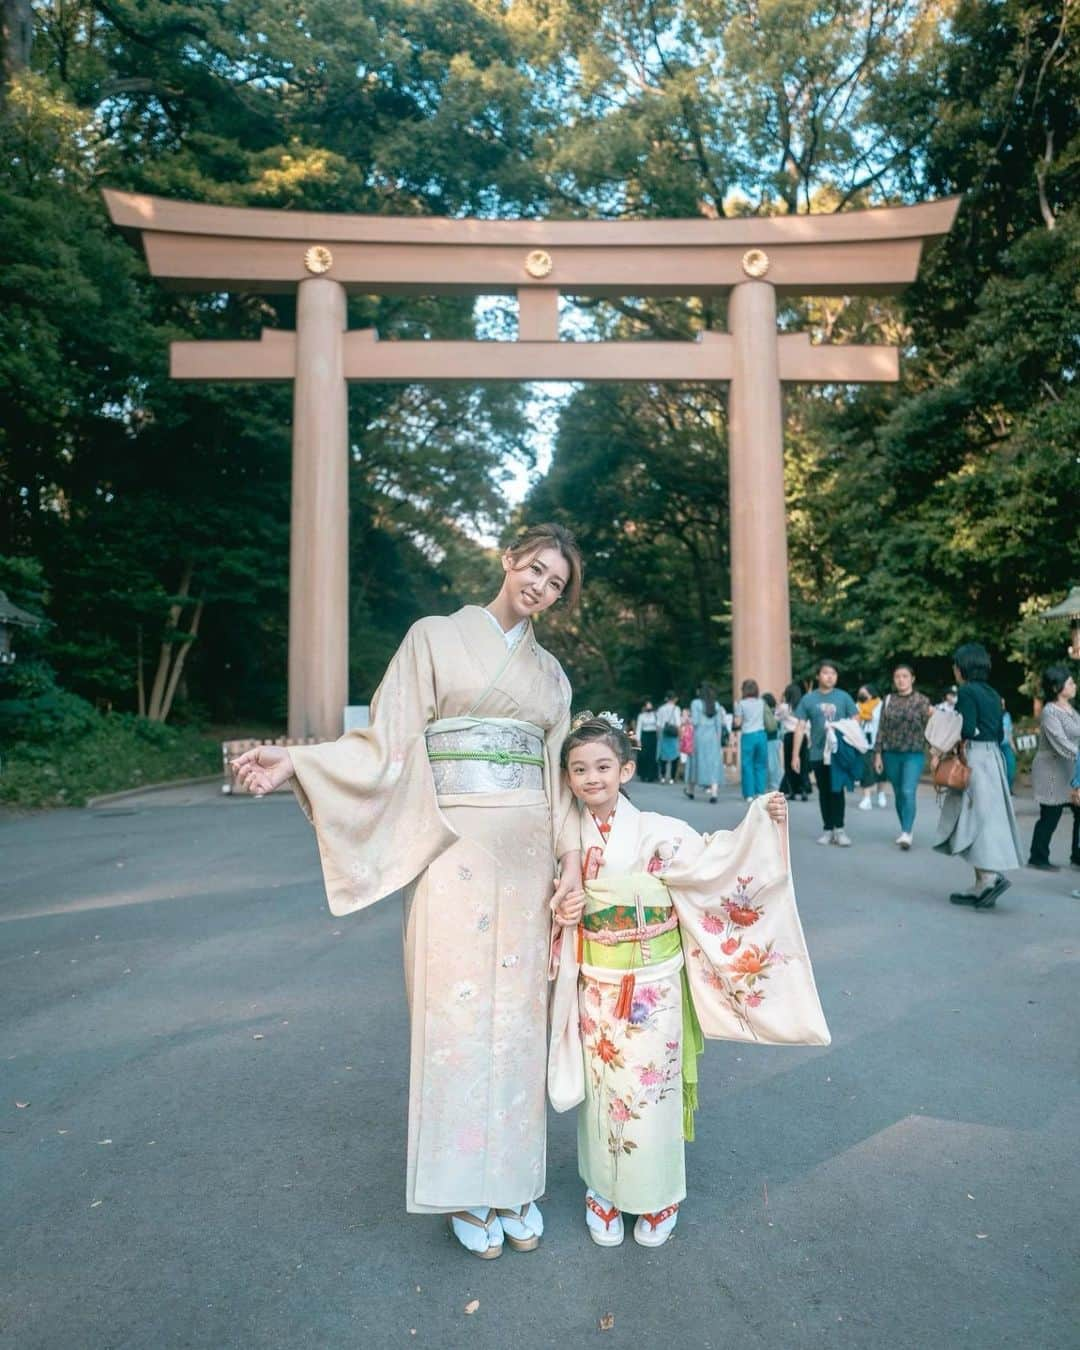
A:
x: 1068, y: 609
x: 12, y: 616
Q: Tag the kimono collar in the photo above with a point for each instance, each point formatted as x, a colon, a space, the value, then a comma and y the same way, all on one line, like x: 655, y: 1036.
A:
x: 620, y: 851
x: 512, y: 635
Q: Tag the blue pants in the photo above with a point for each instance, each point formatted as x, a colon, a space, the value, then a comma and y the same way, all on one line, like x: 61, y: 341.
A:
x: 903, y: 769
x: 754, y: 761
x: 775, y: 754
x: 1010, y: 763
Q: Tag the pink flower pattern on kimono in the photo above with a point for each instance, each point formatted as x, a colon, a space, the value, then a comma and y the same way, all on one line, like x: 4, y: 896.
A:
x: 740, y: 982
x: 623, y: 1087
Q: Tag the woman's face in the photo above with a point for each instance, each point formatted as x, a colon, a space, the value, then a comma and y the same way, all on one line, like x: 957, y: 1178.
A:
x: 903, y: 680
x: 1068, y: 689
x: 863, y: 696
x: 535, y: 584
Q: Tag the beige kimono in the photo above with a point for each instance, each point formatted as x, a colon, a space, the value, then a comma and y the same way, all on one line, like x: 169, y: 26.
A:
x: 476, y: 867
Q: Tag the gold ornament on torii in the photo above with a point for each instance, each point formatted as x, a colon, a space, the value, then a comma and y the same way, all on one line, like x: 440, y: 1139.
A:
x: 538, y: 264
x: 755, y: 262
x: 318, y: 259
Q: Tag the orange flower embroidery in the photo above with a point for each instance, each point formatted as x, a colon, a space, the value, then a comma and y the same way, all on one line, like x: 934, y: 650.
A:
x: 751, y: 961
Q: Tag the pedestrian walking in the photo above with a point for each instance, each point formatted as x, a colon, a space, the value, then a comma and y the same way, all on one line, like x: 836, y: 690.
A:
x: 668, y: 716
x: 772, y: 743
x: 1051, y: 772
x: 646, y: 727
x: 873, y: 776
x: 977, y: 822
x: 1008, y: 745
x: 900, y: 746
x: 707, y: 716
x: 795, y: 783
x: 816, y: 711
x: 471, y: 710
x: 749, y: 723
x: 686, y: 746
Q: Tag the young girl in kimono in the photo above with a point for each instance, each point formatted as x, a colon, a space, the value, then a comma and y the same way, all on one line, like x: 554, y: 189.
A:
x: 678, y: 936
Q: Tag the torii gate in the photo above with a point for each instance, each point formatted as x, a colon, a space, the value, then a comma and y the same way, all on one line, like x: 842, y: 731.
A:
x: 323, y: 256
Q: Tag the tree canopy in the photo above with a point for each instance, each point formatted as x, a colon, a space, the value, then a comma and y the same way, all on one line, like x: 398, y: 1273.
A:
x: 149, y: 518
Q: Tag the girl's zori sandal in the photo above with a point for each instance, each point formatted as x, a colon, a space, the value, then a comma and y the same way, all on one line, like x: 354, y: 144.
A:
x: 653, y: 1230
x: 604, y: 1222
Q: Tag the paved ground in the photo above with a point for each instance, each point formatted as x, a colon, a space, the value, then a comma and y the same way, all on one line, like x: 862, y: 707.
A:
x: 211, y: 1153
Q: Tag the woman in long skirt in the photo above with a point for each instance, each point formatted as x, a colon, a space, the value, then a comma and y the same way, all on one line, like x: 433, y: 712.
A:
x: 707, y: 716
x: 978, y: 823
x: 454, y: 796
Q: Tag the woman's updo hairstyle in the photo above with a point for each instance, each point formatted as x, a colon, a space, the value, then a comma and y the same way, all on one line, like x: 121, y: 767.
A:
x: 550, y: 535
x: 588, y: 727
x: 1054, y: 680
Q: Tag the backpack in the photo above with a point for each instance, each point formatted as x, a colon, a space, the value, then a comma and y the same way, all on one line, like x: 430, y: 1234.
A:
x: 769, y: 721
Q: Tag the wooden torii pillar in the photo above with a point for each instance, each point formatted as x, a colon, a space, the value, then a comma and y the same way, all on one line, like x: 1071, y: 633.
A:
x: 323, y: 257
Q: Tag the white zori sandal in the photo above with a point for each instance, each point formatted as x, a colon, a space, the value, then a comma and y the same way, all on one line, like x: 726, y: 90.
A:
x: 479, y: 1232
x: 522, y: 1227
x: 653, y: 1230
x: 603, y: 1220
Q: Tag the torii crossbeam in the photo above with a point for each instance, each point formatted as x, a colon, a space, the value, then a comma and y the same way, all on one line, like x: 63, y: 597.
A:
x: 324, y: 256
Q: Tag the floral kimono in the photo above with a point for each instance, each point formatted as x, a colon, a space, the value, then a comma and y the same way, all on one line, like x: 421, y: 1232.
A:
x: 454, y: 796
x: 682, y: 937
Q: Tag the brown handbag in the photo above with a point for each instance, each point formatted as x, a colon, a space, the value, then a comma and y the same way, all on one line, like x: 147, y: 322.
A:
x: 953, y: 771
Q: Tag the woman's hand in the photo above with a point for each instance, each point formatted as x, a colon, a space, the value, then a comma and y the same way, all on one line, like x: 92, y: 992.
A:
x: 879, y: 763
x: 569, y: 910
x: 776, y: 806
x: 263, y: 769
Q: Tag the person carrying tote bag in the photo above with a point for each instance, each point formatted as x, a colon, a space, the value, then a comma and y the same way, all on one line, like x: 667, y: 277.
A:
x: 977, y: 821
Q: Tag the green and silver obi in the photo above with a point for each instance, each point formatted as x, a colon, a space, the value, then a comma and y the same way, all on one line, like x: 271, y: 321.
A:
x: 489, y: 754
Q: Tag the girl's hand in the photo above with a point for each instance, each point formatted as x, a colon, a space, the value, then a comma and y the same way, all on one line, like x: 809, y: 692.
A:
x: 569, y: 877
x: 263, y: 769
x: 776, y: 805
x: 570, y: 908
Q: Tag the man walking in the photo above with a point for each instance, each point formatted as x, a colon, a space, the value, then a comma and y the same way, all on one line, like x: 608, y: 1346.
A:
x: 816, y: 710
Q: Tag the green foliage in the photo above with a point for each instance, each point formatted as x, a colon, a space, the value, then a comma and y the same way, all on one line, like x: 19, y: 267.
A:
x: 920, y: 515
x: 115, y: 752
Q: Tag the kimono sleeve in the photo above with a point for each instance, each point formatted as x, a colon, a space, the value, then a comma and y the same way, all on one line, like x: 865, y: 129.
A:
x: 746, y: 960
x: 370, y: 795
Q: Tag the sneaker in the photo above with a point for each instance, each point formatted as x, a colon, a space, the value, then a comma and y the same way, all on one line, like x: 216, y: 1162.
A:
x: 866, y: 804
x: 825, y: 838
x: 840, y: 839
x: 904, y: 840
x: 1043, y: 866
x: 882, y: 800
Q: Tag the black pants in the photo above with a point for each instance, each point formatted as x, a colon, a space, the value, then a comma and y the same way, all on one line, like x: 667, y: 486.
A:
x: 646, y: 765
x: 1044, y: 832
x: 795, y: 784
x: 831, y: 803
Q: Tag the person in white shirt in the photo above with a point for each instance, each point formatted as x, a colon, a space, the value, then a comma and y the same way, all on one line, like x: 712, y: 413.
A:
x: 668, y: 716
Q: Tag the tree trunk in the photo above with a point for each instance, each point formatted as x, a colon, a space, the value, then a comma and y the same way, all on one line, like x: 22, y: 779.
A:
x: 165, y: 657
x: 178, y: 663
x: 16, y: 34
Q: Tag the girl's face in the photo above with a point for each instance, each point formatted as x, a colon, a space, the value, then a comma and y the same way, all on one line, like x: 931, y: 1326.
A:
x: 903, y: 680
x: 596, y: 775
x: 535, y: 584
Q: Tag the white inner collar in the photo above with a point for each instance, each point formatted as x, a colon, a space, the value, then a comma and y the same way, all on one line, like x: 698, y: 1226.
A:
x: 512, y: 636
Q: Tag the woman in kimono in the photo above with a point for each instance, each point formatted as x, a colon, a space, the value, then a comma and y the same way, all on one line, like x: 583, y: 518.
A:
x: 680, y: 937
x: 453, y: 794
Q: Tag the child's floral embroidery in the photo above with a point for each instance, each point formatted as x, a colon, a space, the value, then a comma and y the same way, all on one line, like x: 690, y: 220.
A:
x: 740, y: 982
